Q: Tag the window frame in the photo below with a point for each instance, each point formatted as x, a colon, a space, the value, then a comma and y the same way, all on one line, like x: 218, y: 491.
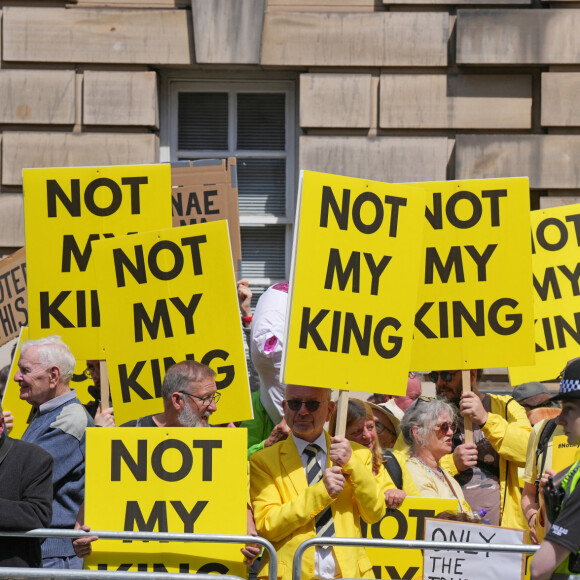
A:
x: 184, y: 81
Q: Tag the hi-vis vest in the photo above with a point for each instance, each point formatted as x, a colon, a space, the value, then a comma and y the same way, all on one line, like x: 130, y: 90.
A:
x: 563, y: 570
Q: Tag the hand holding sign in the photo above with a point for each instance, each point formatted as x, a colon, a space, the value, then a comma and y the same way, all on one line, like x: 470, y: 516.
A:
x: 333, y: 479
x: 340, y: 450
x: 472, y: 407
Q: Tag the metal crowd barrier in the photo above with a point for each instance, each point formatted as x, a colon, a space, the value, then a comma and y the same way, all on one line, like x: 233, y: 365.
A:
x: 50, y: 573
x: 407, y: 544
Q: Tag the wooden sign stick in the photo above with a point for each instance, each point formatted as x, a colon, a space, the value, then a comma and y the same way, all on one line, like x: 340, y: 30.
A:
x: 104, y: 385
x: 341, y: 412
x: 466, y: 383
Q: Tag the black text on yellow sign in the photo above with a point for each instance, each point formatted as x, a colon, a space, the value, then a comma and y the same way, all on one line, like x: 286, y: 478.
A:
x: 354, y: 242
x: 176, y: 480
x: 150, y: 457
x: 474, y: 307
x: 80, y: 206
x: 67, y: 199
x: 556, y: 281
x: 405, y: 523
x: 556, y: 234
x: 166, y: 313
x: 170, y: 296
x: 454, y: 316
x: 356, y: 268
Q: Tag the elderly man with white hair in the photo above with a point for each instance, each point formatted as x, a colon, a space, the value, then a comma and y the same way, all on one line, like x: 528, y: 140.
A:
x: 58, y: 425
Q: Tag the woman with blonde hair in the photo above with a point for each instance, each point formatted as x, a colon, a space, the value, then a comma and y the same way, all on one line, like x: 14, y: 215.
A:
x: 360, y: 428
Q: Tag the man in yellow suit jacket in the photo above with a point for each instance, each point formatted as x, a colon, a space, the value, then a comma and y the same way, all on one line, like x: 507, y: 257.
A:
x: 285, y: 506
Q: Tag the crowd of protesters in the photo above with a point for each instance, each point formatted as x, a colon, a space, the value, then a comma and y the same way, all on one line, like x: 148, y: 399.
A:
x: 305, y: 480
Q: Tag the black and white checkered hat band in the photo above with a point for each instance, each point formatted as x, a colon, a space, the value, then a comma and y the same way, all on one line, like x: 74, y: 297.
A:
x: 570, y: 386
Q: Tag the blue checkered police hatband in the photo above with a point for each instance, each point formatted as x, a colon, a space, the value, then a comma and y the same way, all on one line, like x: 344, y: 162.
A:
x: 570, y: 384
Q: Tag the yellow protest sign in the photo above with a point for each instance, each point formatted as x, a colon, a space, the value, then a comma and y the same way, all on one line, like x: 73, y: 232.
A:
x: 475, y: 306
x: 564, y: 454
x: 556, y: 277
x: 180, y: 480
x: 20, y: 409
x: 11, y: 400
x: 65, y: 211
x: 353, y: 285
x: 405, y: 523
x: 168, y: 296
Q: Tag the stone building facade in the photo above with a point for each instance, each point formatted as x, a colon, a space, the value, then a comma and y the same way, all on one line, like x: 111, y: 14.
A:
x: 392, y: 90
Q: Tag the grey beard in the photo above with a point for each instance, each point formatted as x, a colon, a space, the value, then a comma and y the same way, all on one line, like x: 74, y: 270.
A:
x: 187, y: 418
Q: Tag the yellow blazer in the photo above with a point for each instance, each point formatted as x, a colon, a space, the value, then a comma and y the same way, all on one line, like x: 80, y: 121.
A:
x: 285, y: 507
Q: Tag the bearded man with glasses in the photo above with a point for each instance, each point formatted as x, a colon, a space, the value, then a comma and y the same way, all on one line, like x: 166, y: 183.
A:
x: 486, y: 469
x: 296, y: 494
x: 189, y: 397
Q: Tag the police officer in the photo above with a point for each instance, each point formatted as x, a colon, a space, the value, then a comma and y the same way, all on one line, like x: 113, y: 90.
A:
x: 559, y: 555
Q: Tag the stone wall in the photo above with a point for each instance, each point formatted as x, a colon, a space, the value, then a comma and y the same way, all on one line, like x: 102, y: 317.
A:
x: 396, y: 90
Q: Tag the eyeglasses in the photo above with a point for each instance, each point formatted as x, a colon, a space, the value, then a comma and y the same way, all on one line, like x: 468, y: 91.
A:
x: 444, y: 427
x: 380, y: 428
x: 446, y: 376
x: 205, y: 401
x: 89, y: 372
x: 296, y: 405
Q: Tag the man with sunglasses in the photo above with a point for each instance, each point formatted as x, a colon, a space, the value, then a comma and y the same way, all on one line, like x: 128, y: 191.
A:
x: 312, y: 485
x: 487, y: 469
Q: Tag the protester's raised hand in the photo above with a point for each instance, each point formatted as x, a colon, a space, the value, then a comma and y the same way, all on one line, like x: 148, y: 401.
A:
x: 279, y: 433
x: 465, y: 456
x: 8, y: 420
x: 244, y: 298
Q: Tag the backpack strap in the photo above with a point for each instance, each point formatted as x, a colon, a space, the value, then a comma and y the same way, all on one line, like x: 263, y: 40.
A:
x: 545, y: 436
x: 506, y: 464
x: 393, y: 468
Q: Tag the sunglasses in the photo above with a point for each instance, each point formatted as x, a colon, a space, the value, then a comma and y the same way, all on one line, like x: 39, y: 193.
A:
x: 296, y: 405
x: 446, y: 376
x: 444, y: 427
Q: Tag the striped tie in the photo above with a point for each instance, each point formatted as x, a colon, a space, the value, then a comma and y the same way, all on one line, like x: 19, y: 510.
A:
x: 324, y: 523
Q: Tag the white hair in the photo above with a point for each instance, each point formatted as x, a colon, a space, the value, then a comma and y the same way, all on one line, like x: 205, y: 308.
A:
x: 52, y: 351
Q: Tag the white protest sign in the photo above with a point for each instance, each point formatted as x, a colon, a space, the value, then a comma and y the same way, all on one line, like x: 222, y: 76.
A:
x: 469, y: 564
